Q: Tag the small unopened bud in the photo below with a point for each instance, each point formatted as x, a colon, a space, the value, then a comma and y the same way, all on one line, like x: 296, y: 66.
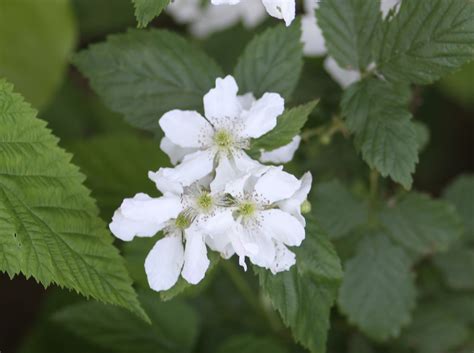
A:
x: 325, y: 140
x: 306, y: 207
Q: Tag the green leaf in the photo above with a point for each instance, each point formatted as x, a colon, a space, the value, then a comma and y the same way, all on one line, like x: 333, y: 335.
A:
x: 144, y: 74
x: 250, y: 344
x: 349, y: 28
x: 305, y: 294
x: 460, y: 193
x: 146, y: 10
x: 378, y: 290
x: 337, y: 210
x: 36, y: 40
x: 376, y: 111
x: 422, y: 225
x: 174, y: 326
x: 422, y: 135
x: 289, y: 124
x: 457, y: 267
x: 119, y: 168
x: 426, y: 40
x: 271, y: 62
x: 49, y: 225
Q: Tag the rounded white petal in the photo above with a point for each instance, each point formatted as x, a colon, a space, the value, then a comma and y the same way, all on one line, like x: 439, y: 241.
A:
x: 225, y: 172
x: 222, y: 2
x: 276, y: 185
x: 252, y: 12
x: 196, y: 262
x: 292, y: 205
x: 221, y: 102
x: 387, y: 5
x: 217, y: 229
x: 164, y: 262
x: 164, y: 181
x: 284, y: 259
x: 175, y: 152
x: 262, y: 115
x: 143, y: 216
x: 312, y: 36
x: 343, y: 77
x: 282, y: 9
x: 246, y: 100
x: 215, y: 18
x: 186, y: 128
x: 265, y: 254
x: 184, y: 11
x: 283, y: 227
x: 283, y: 154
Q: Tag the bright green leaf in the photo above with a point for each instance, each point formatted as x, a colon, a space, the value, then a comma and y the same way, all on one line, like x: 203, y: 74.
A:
x: 250, y: 344
x: 376, y: 111
x: 426, y: 40
x: 337, y: 210
x: 305, y: 294
x: 422, y: 225
x: 378, y: 290
x: 349, y: 28
x: 289, y: 124
x: 146, y: 10
x: 271, y: 62
x: 174, y: 326
x: 144, y: 74
x: 49, y: 225
x: 36, y: 39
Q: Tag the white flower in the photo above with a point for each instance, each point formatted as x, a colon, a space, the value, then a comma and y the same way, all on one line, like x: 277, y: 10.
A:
x: 282, y: 154
x: 254, y: 225
x: 180, y: 216
x: 216, y: 142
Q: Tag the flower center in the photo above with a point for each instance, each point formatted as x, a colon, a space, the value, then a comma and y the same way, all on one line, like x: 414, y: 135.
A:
x: 205, y: 202
x: 247, y: 209
x: 223, y: 140
x: 182, y: 222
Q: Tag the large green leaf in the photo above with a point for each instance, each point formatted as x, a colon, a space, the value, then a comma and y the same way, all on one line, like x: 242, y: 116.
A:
x: 422, y: 225
x: 174, y: 326
x: 378, y: 290
x: 457, y: 267
x: 271, y: 62
x: 36, y: 39
x: 250, y: 344
x: 376, y: 111
x: 305, y: 294
x: 144, y: 74
x: 349, y: 28
x: 461, y: 193
x: 426, y: 40
x: 49, y: 227
x: 337, y: 210
x: 146, y: 10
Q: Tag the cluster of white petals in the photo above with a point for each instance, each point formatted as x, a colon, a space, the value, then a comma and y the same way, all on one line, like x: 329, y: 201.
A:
x: 216, y: 196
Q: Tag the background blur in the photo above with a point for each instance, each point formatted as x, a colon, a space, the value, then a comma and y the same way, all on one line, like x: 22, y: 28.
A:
x: 36, y: 42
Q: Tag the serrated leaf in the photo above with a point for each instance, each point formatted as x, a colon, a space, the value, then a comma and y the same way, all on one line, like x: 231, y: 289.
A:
x: 349, y: 28
x: 376, y: 111
x: 337, y: 210
x: 144, y: 74
x: 119, y: 168
x: 378, y: 290
x: 250, y: 344
x: 460, y: 193
x: 118, y: 331
x: 271, y: 62
x: 146, y: 10
x: 36, y: 40
x: 305, y: 294
x: 457, y: 267
x: 426, y: 40
x: 289, y: 124
x: 422, y: 225
x: 49, y: 227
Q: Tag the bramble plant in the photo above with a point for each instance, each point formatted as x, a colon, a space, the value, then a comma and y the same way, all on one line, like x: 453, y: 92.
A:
x: 255, y: 162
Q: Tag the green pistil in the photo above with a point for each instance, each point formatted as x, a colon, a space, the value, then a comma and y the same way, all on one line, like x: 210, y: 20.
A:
x: 182, y: 222
x: 247, y: 209
x: 204, y: 202
x: 223, y: 139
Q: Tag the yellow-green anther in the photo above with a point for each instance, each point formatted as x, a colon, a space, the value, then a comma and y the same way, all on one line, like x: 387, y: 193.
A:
x: 182, y: 222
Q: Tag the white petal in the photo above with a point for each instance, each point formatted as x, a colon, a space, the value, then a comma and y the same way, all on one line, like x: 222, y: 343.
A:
x: 221, y: 102
x: 282, y: 9
x: 283, y: 154
x: 387, y: 5
x: 194, y: 166
x: 312, y: 36
x: 184, y: 11
x: 262, y: 116
x: 283, y: 227
x: 215, y: 18
x: 225, y: 172
x: 276, y: 185
x: 246, y: 100
x: 284, y: 259
x: 217, y: 230
x: 143, y: 216
x: 186, y: 128
x: 252, y: 12
x: 265, y: 255
x: 175, y: 152
x: 343, y: 77
x: 221, y: 2
x: 195, y: 256
x: 164, y: 262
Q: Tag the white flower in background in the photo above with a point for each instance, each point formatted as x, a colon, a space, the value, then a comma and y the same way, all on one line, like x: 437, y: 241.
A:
x: 314, y: 43
x: 218, y: 140
x: 180, y: 216
x: 254, y: 225
x: 281, y: 155
x: 206, y: 18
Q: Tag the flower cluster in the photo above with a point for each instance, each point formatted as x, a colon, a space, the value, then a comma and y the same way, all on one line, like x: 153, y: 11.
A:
x: 216, y: 196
